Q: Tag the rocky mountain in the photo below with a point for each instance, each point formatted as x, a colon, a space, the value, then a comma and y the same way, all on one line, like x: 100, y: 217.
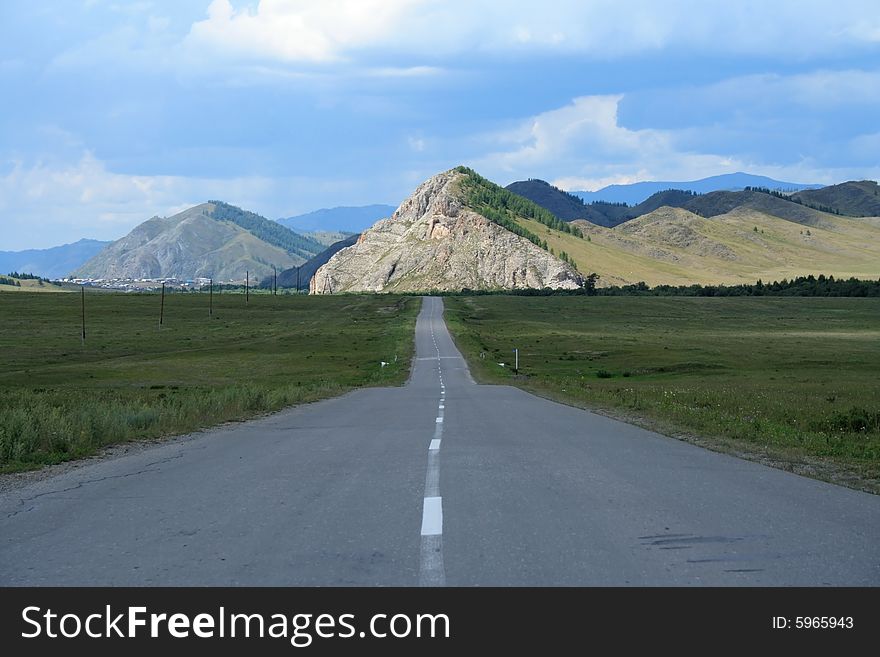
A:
x: 212, y: 240
x: 635, y: 193
x: 457, y: 231
x: 55, y: 262
x: 344, y: 218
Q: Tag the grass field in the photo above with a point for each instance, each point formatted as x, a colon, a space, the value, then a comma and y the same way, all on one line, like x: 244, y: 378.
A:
x: 32, y: 285
x: 131, y: 379
x: 792, y: 381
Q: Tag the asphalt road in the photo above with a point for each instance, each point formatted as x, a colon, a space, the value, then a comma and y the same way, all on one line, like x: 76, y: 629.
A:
x: 438, y: 482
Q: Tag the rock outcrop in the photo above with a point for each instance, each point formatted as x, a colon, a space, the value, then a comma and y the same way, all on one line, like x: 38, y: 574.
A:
x: 435, y: 241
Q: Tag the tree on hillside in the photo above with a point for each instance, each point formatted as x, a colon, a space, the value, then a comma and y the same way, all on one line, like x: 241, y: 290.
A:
x: 590, y: 283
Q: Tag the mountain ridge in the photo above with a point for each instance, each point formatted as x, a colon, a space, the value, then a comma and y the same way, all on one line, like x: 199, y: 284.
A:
x: 854, y: 198
x: 54, y: 262
x: 807, y: 207
x: 210, y: 240
x: 635, y: 193
x: 677, y: 247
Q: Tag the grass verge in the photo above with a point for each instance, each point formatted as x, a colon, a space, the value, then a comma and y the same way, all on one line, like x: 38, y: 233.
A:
x: 793, y: 382
x: 131, y: 379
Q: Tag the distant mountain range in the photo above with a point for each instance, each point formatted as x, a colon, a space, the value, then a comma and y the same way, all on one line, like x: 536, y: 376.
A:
x: 459, y: 230
x: 343, y: 218
x: 56, y: 262
x: 848, y: 199
x: 635, y: 193
x: 212, y: 240
x: 681, y: 237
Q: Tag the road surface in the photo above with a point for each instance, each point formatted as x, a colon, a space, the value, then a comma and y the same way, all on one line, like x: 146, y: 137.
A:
x: 439, y: 482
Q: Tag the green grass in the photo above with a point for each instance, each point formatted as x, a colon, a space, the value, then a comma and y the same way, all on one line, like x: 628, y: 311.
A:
x: 787, y: 378
x: 130, y: 380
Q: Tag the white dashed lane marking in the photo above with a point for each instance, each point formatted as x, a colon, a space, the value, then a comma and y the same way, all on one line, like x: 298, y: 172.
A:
x: 432, y: 516
x: 431, y: 569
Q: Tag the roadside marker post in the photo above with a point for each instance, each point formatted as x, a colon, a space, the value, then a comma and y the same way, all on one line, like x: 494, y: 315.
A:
x: 162, y: 306
x: 516, y: 361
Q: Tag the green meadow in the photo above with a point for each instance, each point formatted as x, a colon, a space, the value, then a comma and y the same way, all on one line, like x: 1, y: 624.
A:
x: 132, y: 379
x: 791, y: 381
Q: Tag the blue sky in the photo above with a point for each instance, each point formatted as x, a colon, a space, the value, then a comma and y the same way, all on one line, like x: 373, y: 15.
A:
x: 115, y: 111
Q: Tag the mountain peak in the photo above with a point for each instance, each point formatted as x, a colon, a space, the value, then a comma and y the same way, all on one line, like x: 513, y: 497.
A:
x: 562, y: 204
x: 456, y: 231
x: 210, y: 240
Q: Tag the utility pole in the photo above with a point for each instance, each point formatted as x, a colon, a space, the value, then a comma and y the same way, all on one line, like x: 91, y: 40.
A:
x: 297, y: 279
x: 247, y: 287
x: 162, y: 306
x: 83, y: 288
x: 274, y: 281
x: 211, y: 297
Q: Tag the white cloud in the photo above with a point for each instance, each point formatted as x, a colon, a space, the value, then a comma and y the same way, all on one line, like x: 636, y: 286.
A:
x: 588, y: 124
x: 46, y: 204
x: 592, y: 184
x: 583, y: 146
x: 297, y: 30
x: 585, y: 141
x: 397, y: 38
x: 85, y: 199
x: 610, y: 28
x: 312, y: 31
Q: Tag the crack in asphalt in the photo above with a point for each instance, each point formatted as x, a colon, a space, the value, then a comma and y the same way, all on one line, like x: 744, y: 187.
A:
x: 148, y: 468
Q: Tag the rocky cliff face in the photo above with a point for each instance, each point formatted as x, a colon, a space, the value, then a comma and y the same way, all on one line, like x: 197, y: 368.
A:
x: 434, y: 241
